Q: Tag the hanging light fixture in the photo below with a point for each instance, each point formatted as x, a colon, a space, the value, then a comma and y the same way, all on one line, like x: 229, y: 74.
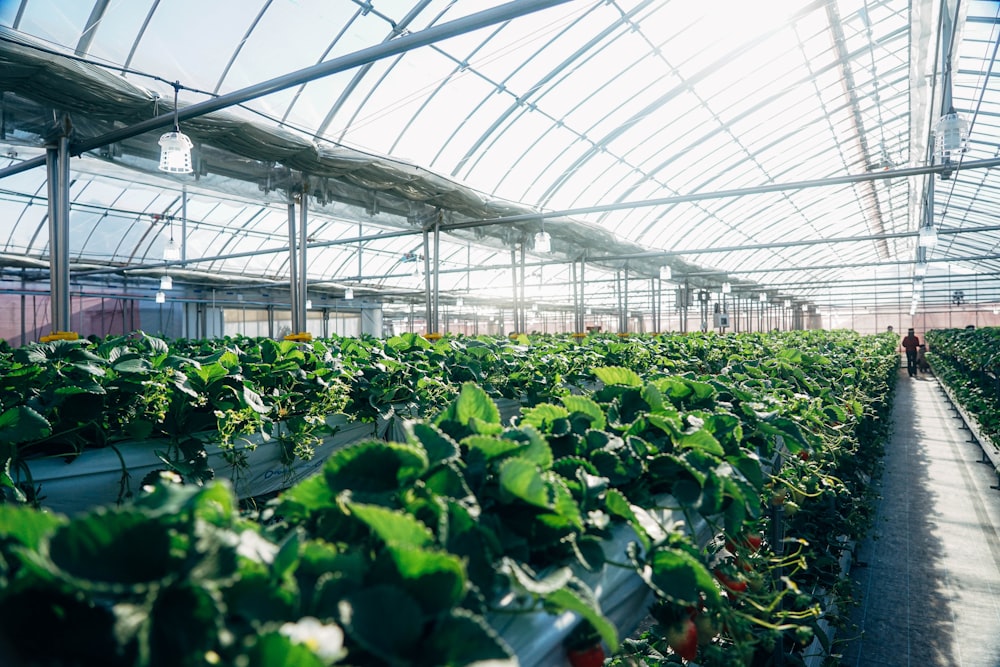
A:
x: 726, y: 288
x: 951, y: 136
x: 666, y: 273
x: 787, y: 303
x: 349, y: 294
x: 166, y: 283
x: 161, y: 297
x: 459, y: 302
x: 763, y: 297
x: 309, y: 304
x: 543, y: 240
x: 920, y: 270
x: 928, y: 237
x: 171, y: 251
x: 175, y: 147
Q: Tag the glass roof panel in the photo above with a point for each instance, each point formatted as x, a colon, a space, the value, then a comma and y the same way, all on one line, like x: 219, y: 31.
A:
x: 586, y: 104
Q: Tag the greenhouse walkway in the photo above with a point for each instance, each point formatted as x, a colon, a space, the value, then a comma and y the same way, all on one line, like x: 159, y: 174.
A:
x: 929, y: 575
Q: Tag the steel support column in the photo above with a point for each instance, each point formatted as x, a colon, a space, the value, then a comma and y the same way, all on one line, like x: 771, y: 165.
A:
x: 57, y: 164
x: 436, y: 295
x: 303, y: 276
x: 513, y: 282
x: 293, y: 266
x: 428, y: 301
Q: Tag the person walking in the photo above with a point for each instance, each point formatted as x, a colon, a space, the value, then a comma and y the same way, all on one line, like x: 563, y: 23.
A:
x: 910, y: 344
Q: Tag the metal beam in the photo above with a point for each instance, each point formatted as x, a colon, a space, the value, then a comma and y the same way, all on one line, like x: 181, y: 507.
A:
x: 849, y: 179
x: 393, y: 47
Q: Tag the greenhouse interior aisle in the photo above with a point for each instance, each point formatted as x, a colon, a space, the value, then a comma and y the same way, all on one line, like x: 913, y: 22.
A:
x: 929, y: 575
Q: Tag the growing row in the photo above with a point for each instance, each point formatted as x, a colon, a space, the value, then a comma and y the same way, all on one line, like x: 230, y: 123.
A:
x: 413, y: 553
x: 967, y: 361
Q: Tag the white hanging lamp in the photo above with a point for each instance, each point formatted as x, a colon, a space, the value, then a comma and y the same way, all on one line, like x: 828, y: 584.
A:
x: 161, y: 297
x: 349, y: 294
x: 175, y: 147
x: 543, y: 241
x: 666, y: 273
x: 951, y: 136
x: 920, y: 270
x: 726, y: 288
x: 166, y: 283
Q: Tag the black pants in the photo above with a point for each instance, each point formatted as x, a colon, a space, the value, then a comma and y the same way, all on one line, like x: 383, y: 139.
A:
x: 911, y: 362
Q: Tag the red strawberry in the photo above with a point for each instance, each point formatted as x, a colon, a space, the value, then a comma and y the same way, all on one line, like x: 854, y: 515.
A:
x: 750, y: 541
x: 683, y: 639
x: 586, y: 657
x: 733, y: 584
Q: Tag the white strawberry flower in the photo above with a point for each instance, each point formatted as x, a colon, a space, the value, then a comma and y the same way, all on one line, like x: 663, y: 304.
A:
x: 325, y: 640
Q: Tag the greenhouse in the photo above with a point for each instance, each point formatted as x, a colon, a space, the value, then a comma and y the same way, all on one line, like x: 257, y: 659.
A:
x: 457, y: 332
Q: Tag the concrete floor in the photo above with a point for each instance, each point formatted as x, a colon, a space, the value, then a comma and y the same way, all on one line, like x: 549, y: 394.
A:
x: 929, y: 576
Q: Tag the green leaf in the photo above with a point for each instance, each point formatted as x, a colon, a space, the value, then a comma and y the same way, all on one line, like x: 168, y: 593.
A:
x: 566, y: 598
x: 385, y: 621
x: 252, y: 399
x: 651, y: 394
x: 617, y: 504
x: 139, y: 429
x: 132, y: 364
x: 184, y: 621
x: 438, y: 445
x: 586, y: 406
x: 392, y: 526
x: 115, y: 547
x: 435, y: 579
x: 462, y: 638
x: 26, y: 525
x: 374, y: 467
x: 615, y: 375
x: 538, y: 450
x: 473, y: 403
x: 686, y: 491
x: 275, y: 650
x: 700, y: 439
x: 23, y: 424
x: 80, y: 387
x: 834, y: 413
x: 288, y: 555
x: 749, y: 466
x: 408, y: 341
x: 492, y: 447
x: 524, y: 579
x: 521, y: 479
x: 679, y: 577
x: 310, y: 495
x: 541, y: 416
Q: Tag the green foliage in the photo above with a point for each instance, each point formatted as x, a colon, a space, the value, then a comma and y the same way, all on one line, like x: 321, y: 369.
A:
x: 409, y: 549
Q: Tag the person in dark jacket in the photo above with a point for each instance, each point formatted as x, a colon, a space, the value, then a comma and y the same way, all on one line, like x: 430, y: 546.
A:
x: 910, y: 344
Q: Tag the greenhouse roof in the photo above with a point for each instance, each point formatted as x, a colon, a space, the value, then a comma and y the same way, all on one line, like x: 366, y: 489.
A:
x: 789, y: 149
